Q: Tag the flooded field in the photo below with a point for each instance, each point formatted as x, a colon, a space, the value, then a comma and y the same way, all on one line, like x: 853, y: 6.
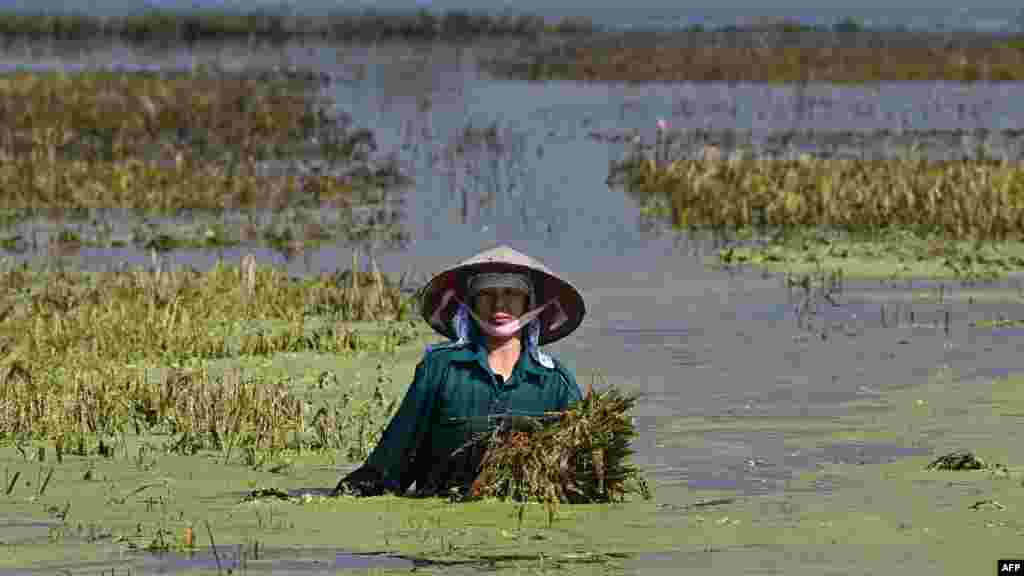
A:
x: 784, y: 429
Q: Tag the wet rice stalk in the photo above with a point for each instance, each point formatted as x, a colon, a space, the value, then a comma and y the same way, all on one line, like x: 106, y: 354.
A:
x: 725, y: 57
x: 209, y: 140
x: 582, y: 457
x: 957, y: 199
x: 195, y: 141
x: 69, y: 378
x: 673, y: 143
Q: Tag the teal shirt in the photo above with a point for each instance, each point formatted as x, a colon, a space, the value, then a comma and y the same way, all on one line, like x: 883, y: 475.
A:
x: 453, y: 393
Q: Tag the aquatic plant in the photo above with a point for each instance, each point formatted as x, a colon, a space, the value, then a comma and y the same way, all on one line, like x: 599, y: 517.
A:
x: 959, y: 460
x: 892, y: 252
x: 584, y: 457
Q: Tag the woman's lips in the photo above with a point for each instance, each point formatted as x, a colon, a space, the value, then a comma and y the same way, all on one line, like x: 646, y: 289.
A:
x: 502, y: 318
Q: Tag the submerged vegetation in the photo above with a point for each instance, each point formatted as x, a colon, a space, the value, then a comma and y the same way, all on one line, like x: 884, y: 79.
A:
x: 884, y: 253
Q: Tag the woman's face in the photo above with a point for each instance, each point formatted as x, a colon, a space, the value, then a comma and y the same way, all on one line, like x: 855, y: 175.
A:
x: 500, y: 305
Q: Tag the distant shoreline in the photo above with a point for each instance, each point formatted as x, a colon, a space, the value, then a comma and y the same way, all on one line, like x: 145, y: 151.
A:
x: 166, y: 26
x: 188, y: 26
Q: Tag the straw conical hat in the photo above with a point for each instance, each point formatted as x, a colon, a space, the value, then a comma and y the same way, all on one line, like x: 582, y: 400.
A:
x: 504, y: 259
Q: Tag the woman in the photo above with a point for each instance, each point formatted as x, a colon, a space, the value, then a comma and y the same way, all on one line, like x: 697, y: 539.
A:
x: 490, y: 308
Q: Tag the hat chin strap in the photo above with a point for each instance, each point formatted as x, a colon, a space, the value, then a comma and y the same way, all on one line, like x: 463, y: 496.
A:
x: 507, y: 329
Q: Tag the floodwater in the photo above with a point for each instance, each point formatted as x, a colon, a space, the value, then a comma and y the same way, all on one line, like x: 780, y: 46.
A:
x: 697, y: 342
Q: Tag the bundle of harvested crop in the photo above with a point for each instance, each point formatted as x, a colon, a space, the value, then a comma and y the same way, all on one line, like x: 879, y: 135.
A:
x: 583, y: 457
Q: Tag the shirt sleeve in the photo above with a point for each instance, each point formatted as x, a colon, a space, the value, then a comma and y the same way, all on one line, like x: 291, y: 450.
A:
x: 404, y: 436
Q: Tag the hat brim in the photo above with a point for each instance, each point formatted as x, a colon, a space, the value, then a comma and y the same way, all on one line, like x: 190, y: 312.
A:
x: 503, y: 259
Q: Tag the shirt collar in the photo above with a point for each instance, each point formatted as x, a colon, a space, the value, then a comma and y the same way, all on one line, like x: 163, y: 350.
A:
x: 478, y: 353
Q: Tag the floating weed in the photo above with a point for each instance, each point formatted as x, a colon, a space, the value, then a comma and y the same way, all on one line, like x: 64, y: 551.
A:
x: 807, y: 256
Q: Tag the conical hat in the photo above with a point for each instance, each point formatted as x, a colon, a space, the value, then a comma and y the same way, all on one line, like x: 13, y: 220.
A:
x: 504, y: 259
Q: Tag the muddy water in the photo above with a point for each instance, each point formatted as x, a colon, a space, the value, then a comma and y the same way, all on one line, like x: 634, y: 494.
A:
x: 743, y: 393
